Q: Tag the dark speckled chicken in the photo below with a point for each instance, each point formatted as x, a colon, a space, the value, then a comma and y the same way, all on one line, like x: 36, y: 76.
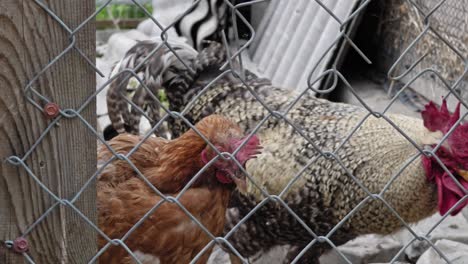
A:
x: 327, y: 193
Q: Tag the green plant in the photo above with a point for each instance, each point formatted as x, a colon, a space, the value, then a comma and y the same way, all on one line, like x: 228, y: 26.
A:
x: 123, y: 11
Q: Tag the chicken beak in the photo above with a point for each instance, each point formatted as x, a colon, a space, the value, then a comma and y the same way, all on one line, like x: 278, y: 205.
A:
x: 463, y: 174
x: 240, y: 183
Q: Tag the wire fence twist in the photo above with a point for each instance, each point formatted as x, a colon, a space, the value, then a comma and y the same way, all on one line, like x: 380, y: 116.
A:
x: 30, y: 93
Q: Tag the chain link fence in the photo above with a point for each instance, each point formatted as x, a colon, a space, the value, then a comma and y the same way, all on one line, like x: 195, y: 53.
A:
x: 38, y: 100
x: 406, y: 22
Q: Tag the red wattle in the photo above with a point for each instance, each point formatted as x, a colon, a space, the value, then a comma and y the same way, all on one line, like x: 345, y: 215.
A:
x: 450, y: 194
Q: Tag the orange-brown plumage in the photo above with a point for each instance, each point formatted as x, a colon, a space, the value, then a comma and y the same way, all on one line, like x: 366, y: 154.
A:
x: 168, y: 233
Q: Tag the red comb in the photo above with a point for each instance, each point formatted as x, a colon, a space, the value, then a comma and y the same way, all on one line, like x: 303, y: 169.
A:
x: 458, y: 142
x: 249, y: 150
x: 441, y: 120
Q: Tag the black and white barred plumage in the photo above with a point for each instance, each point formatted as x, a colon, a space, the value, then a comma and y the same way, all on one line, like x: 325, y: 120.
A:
x: 205, y: 22
x: 126, y: 107
x: 324, y: 194
x: 206, y: 19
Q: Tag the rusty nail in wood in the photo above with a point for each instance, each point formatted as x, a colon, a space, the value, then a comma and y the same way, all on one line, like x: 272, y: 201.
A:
x: 20, y: 245
x: 51, y: 110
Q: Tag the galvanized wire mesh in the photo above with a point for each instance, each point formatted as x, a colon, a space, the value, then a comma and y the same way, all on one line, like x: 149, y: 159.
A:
x: 408, y: 21
x: 37, y: 99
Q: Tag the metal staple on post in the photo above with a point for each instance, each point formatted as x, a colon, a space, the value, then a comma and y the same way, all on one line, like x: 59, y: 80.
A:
x: 52, y: 111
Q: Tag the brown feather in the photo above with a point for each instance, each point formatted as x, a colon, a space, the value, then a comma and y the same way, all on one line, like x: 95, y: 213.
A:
x: 168, y: 233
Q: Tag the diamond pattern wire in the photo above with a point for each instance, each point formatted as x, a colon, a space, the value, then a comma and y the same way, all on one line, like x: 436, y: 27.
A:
x: 282, y: 115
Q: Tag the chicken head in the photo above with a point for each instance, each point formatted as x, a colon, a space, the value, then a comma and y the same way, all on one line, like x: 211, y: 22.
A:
x: 453, y: 153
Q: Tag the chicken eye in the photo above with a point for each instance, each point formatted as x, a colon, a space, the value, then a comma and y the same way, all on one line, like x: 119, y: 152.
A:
x: 227, y: 169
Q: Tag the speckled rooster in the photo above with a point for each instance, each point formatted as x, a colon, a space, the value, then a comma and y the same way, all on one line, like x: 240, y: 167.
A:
x: 339, y: 151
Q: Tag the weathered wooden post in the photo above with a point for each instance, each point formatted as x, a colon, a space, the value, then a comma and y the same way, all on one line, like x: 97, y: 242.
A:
x: 65, y: 158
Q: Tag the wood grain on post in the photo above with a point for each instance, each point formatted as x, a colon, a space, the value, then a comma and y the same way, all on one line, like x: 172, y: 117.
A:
x: 66, y: 157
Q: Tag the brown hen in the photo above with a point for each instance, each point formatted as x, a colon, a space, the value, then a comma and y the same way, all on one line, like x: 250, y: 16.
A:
x: 168, y: 234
